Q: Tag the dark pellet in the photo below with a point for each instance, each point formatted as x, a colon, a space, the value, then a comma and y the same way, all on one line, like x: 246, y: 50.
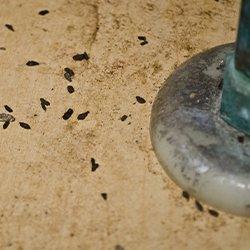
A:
x: 70, y: 89
x: 119, y: 247
x: 241, y: 138
x: 67, y: 77
x: 104, y: 196
x: 82, y: 116
x: 24, y: 125
x: 140, y: 99
x: 186, y: 195
x: 69, y: 71
x: 68, y: 114
x: 213, y: 212
x: 144, y: 43
x: 32, y: 63
x: 199, y: 206
x: 2, y: 48
x: 142, y: 38
x: 6, y: 125
x: 44, y: 107
x: 47, y: 103
x: 10, y: 27
x: 44, y: 103
x: 81, y: 57
x: 9, y: 109
x: 94, y: 165
x: 43, y: 12
x: 123, y: 118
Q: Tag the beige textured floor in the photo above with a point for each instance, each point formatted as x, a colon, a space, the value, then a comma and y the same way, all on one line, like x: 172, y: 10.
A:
x: 49, y: 197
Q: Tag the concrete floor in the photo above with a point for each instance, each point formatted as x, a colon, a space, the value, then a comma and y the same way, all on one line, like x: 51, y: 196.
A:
x: 49, y: 196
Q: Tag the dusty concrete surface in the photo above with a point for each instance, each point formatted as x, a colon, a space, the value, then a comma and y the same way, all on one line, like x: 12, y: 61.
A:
x: 49, y: 196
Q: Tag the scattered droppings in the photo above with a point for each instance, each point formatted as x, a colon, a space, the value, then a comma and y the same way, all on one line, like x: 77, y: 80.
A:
x: 68, y: 114
x: 140, y: 99
x: 104, y: 196
x: 199, y: 206
x: 81, y: 57
x: 6, y: 117
x: 2, y: 48
x: 220, y: 86
x: 24, y: 125
x: 119, y: 247
x: 94, y: 165
x: 32, y: 63
x: 6, y: 124
x: 10, y: 27
x: 144, y: 43
x: 70, y: 89
x: 9, y: 109
x: 213, y: 212
x: 44, y: 103
x: 43, y: 12
x: 241, y: 138
x: 142, y: 38
x: 186, y: 195
x: 82, y: 116
x: 123, y: 118
x: 69, y: 73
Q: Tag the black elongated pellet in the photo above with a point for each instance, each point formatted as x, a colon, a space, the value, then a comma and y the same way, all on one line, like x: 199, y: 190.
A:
x: 185, y: 195
x: 2, y: 48
x: 140, y: 99
x: 6, y: 124
x: 44, y: 103
x: 144, y: 43
x: 69, y: 71
x: 104, y: 196
x: 47, y: 103
x: 24, y: 125
x: 9, y: 26
x: 94, y: 165
x: 82, y: 116
x: 213, y: 212
x: 81, y: 57
x: 43, y: 12
x: 67, y: 77
x: 142, y: 38
x: 70, y: 89
x: 123, y: 118
x: 9, y: 109
x: 68, y: 114
x: 69, y: 74
x: 241, y: 138
x: 199, y: 206
x: 32, y: 63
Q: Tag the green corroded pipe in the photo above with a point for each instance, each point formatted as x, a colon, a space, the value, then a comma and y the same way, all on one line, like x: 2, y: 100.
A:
x: 235, y: 104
